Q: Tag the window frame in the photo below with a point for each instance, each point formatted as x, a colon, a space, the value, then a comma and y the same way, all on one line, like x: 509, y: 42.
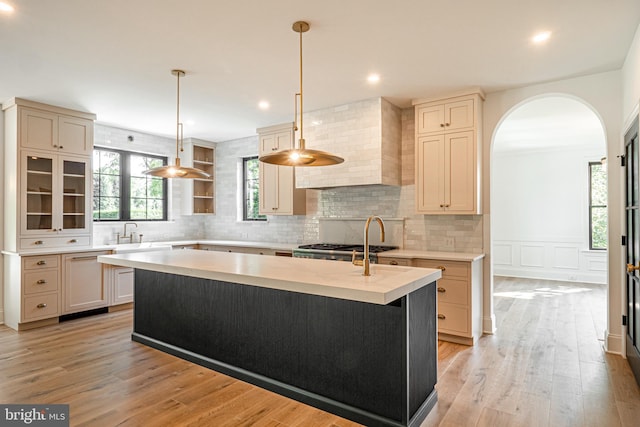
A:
x: 592, y: 206
x: 125, y: 186
x: 245, y: 187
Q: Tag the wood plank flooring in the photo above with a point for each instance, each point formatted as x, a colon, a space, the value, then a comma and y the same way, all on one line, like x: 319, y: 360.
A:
x: 544, y: 367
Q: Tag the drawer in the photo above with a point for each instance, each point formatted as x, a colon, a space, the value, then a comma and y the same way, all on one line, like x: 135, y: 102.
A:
x: 62, y: 242
x: 40, y: 262
x: 453, y: 291
x: 449, y: 268
x: 394, y: 261
x: 40, y: 306
x: 40, y: 281
x: 453, y: 319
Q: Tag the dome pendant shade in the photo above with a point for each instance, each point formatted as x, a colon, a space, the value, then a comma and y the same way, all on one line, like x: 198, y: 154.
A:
x: 175, y: 170
x: 301, y: 156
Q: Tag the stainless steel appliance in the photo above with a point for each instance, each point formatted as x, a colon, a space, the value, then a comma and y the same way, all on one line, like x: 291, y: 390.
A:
x: 338, y: 251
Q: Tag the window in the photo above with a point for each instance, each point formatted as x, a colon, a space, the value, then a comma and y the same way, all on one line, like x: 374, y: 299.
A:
x: 122, y: 192
x: 251, y: 190
x: 597, y: 206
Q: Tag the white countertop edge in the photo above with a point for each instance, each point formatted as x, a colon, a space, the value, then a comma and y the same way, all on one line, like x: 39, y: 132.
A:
x: 246, y: 269
x: 444, y: 256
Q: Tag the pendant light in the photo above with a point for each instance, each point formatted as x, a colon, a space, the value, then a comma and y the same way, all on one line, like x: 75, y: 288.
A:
x: 301, y: 156
x: 177, y: 171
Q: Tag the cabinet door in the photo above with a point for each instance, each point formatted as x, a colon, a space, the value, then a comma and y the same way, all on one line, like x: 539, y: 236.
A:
x: 37, y: 195
x: 273, y: 142
x: 269, y: 192
x: 38, y: 129
x: 75, y: 135
x: 460, y: 172
x: 430, y: 118
x: 430, y: 172
x: 76, y: 195
x: 458, y: 115
x: 83, y: 282
x: 122, y: 290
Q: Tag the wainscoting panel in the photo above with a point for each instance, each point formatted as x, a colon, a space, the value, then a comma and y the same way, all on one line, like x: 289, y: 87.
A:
x: 566, y: 261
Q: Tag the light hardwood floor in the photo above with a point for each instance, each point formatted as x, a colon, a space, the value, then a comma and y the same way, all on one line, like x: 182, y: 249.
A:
x: 544, y: 367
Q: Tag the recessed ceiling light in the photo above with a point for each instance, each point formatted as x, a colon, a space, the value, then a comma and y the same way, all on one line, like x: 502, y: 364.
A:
x: 6, y: 7
x: 373, y: 78
x: 541, y: 37
x: 263, y: 105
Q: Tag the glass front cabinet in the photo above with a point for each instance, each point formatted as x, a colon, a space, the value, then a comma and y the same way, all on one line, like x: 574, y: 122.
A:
x: 55, y: 198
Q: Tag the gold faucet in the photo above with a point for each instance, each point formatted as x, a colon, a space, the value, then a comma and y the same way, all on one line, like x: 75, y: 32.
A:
x: 365, y: 260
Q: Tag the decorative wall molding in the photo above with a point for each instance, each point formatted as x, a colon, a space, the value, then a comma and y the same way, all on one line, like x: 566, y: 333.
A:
x: 550, y: 260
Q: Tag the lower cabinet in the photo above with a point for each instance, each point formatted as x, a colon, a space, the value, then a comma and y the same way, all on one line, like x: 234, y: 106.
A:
x: 121, y: 284
x: 84, y: 285
x: 459, y: 296
x: 40, y: 288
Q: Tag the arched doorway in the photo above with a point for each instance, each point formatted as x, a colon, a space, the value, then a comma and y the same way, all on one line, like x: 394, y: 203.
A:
x: 548, y: 194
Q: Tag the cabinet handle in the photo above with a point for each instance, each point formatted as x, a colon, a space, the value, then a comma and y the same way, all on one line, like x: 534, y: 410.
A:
x: 441, y: 205
x: 73, y: 241
x: 441, y: 125
x: 41, y: 262
x: 442, y: 290
x: 38, y: 242
x: 446, y: 124
x: 55, y: 145
x: 274, y: 149
x: 441, y: 316
x: 61, y: 147
x: 41, y: 282
x: 441, y: 267
x: 393, y: 262
x: 446, y: 206
x: 77, y: 258
x: 42, y: 305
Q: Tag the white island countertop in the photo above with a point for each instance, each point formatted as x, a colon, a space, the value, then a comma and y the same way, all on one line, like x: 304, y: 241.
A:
x: 334, y: 279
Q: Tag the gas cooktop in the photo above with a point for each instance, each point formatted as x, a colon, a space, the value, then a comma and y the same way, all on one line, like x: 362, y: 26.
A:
x: 341, y: 247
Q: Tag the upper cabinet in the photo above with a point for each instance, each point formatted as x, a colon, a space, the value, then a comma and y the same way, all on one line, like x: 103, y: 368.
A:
x: 48, y: 169
x: 448, y: 155
x: 277, y: 193
x: 43, y: 130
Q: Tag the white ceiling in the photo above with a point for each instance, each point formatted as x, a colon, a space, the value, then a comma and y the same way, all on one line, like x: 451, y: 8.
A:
x: 114, y: 57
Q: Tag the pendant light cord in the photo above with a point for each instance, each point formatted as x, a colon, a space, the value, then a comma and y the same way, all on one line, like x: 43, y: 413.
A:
x: 178, y: 116
x: 301, y: 107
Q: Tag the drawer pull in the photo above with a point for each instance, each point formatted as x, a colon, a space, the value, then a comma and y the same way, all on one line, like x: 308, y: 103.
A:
x: 394, y: 262
x: 41, y: 282
x: 41, y: 262
x: 79, y: 258
x: 73, y: 241
x: 38, y: 242
x: 441, y: 267
x: 442, y: 290
x: 42, y: 305
x: 441, y: 316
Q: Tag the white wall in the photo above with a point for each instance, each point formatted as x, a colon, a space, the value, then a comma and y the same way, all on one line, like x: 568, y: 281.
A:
x: 541, y: 217
x: 2, y: 216
x: 603, y: 92
x: 631, y: 80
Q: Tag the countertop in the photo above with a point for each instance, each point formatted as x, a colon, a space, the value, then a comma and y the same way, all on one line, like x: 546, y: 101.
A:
x: 317, y: 277
x: 444, y: 256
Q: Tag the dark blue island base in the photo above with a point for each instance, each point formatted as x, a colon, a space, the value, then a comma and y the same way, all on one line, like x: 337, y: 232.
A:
x: 373, y: 364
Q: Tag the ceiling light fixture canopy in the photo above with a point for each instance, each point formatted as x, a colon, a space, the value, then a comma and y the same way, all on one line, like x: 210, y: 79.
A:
x: 301, y: 156
x: 176, y: 170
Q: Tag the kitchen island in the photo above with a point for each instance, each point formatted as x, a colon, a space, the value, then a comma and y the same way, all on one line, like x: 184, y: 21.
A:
x: 317, y: 331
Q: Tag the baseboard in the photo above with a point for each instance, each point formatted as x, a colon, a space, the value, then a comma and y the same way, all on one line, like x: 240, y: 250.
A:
x: 489, y: 324
x: 573, y: 276
x: 613, y: 343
